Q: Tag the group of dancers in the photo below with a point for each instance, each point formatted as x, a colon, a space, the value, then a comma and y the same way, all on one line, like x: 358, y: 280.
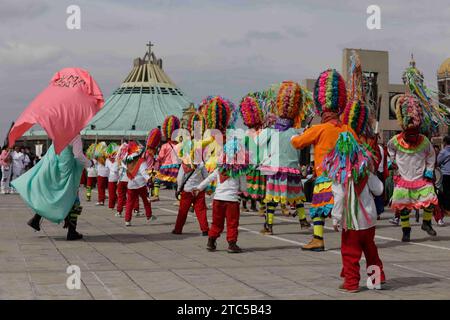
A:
x: 262, y: 166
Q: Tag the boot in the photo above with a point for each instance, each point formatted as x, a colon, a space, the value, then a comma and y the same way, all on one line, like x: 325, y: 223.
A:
x: 426, y: 226
x: 35, y: 222
x: 406, y: 234
x: 211, y: 246
x: 233, y: 247
x: 88, y: 193
x: 267, y: 230
x: 304, y: 224
x: 72, y: 233
x: 315, y: 245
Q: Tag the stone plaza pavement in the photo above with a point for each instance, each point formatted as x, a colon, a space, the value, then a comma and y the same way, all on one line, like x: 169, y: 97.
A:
x: 145, y: 261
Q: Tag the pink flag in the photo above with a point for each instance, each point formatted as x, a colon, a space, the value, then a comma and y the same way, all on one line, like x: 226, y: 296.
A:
x: 63, y: 109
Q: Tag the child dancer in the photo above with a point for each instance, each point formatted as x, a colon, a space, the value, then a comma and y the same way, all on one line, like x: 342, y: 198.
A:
x: 137, y: 184
x: 91, y: 172
x: 167, y: 158
x: 281, y: 166
x: 253, y: 118
x: 349, y: 166
x: 192, y: 172
x: 414, y: 157
x: 122, y: 185
x: 113, y: 168
x: 231, y: 180
x: 330, y: 98
x: 102, y: 172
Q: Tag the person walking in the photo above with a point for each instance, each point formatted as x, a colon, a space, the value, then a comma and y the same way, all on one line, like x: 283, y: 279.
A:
x: 443, y: 162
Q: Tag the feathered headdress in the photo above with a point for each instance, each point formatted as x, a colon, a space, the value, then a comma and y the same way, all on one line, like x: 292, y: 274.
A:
x: 236, y: 160
x: 111, y: 150
x: 219, y: 112
x: 349, y: 164
x: 196, y: 122
x: 409, y: 113
x: 153, y: 139
x: 251, y: 112
x: 434, y: 112
x: 90, y: 151
x: 134, y: 151
x: 357, y: 116
x: 330, y: 94
x: 170, y: 124
x: 122, y: 152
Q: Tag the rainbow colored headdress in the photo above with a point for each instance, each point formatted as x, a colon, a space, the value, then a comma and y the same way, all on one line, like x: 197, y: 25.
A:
x: 251, y: 112
x: 289, y: 100
x: 100, y: 150
x: 111, y: 150
x: 122, y: 152
x: 134, y: 151
x: 236, y: 160
x: 357, y: 116
x: 330, y: 94
x: 170, y: 124
x: 90, y: 151
x: 195, y: 120
x: 219, y: 112
x: 153, y: 139
x: 408, y: 111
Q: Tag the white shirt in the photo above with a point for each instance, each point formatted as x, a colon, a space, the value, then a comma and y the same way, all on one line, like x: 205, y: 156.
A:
x: 92, y: 172
x: 194, y: 180
x: 77, y: 150
x: 113, y: 168
x: 374, y: 187
x: 227, y: 190
x: 141, y: 178
x: 123, y: 173
x: 102, y: 171
x: 18, y: 161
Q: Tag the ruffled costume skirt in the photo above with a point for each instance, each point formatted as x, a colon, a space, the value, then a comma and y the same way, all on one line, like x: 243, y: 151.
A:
x: 322, y: 199
x: 168, y: 173
x: 410, y: 195
x: 256, y: 185
x: 285, y: 186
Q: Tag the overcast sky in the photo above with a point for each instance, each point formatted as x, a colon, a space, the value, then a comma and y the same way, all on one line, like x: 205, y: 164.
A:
x: 227, y: 47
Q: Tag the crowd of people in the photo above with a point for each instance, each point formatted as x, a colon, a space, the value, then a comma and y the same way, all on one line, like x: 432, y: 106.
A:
x: 14, y: 162
x: 351, y: 179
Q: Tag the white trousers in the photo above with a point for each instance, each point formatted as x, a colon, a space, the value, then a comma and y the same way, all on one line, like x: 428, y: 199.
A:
x: 6, y: 177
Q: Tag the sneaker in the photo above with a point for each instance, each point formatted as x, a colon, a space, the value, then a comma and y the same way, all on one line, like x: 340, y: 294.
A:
x: 441, y: 223
x: 395, y: 221
x: 154, y: 199
x: 151, y: 219
x: 426, y: 226
x: 233, y: 247
x: 211, y: 246
x: 118, y: 214
x: 343, y: 289
x: 127, y: 223
x: 138, y: 213
x: 100, y: 204
x: 191, y: 209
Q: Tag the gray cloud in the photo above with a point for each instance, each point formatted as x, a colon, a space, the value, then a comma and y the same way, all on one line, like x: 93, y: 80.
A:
x: 13, y: 10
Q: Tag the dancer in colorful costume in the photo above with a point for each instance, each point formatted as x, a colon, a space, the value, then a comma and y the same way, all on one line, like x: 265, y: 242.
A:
x: 167, y: 158
x: 122, y: 185
x: 91, y: 172
x: 350, y: 168
x: 231, y: 181
x: 281, y: 166
x: 253, y: 117
x: 192, y: 172
x: 102, y: 172
x: 414, y: 156
x: 330, y: 98
x: 112, y: 165
x: 63, y: 109
x: 137, y: 183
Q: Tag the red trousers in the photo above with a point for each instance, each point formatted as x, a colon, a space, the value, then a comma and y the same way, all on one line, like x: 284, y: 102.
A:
x: 222, y: 210
x: 133, y: 196
x: 112, y: 194
x: 83, y: 179
x: 354, y: 243
x: 187, y: 198
x: 122, y: 188
x: 102, y: 182
x: 91, y: 182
